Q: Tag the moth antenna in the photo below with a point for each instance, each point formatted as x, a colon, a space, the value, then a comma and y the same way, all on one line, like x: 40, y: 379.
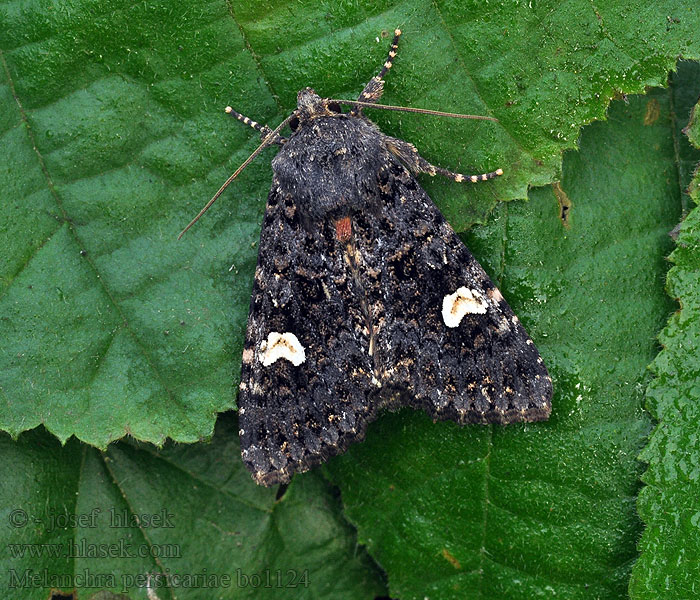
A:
x: 423, y: 111
x: 392, y: 55
x: 264, y: 130
x: 375, y: 87
x: 408, y: 154
x: 269, y: 139
x: 459, y: 177
x: 246, y: 121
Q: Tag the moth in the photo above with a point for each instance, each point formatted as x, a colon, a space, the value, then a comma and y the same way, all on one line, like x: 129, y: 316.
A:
x: 365, y: 298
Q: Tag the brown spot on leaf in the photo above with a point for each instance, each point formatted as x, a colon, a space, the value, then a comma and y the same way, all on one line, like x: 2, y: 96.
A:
x: 449, y: 557
x: 652, y: 112
x: 564, y: 203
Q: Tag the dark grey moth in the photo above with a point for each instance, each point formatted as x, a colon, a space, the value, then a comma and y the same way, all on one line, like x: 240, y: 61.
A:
x: 365, y: 298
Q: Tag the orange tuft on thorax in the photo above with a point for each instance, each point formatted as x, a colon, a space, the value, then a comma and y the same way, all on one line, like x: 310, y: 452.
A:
x: 343, y: 229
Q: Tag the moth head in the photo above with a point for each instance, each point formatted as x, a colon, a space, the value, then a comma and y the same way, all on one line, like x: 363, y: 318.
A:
x: 310, y: 105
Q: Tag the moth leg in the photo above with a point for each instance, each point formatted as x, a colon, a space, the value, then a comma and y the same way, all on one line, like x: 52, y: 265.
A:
x: 263, y: 129
x: 374, y: 89
x: 408, y: 154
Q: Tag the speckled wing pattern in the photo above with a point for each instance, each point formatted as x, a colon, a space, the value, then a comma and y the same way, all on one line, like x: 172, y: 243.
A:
x: 294, y: 417
x: 370, y: 300
x: 484, y: 370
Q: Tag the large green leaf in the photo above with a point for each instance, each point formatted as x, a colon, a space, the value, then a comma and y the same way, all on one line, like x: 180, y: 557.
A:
x: 113, y: 138
x: 188, y: 517
x: 669, y: 566
x: 549, y: 509
x: 114, y: 135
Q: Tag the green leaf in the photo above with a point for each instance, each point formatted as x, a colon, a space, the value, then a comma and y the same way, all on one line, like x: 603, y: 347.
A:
x: 545, y: 510
x: 669, y: 565
x: 189, y: 517
x: 114, y: 136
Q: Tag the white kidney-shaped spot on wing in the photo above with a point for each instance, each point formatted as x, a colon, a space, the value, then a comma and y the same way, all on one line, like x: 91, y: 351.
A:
x: 463, y: 301
x: 281, y: 345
